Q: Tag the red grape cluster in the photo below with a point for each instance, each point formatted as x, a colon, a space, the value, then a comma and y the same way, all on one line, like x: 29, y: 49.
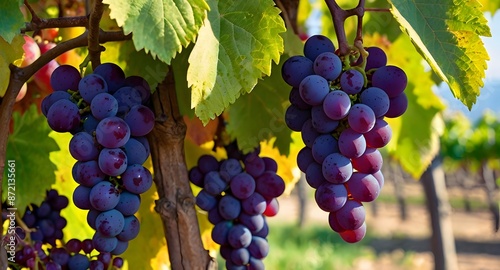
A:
x: 43, y: 248
x: 108, y: 116
x: 238, y: 194
x: 339, y: 107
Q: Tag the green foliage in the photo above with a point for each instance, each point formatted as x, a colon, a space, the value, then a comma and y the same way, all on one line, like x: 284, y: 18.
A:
x: 415, y: 139
x: 447, y: 34
x: 458, y: 129
x: 260, y: 115
x: 161, y: 28
x: 29, y: 146
x: 490, y: 6
x: 11, y: 20
x: 9, y: 53
x: 135, y: 62
x: 235, y: 47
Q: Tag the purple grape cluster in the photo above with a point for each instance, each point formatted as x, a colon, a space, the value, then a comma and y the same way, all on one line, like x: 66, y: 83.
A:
x: 42, y: 250
x: 339, y: 105
x: 108, y: 116
x: 238, y: 195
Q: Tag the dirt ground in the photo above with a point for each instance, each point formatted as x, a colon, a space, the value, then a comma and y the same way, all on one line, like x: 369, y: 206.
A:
x: 477, y: 245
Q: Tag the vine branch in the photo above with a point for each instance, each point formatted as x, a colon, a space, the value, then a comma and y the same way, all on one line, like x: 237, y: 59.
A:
x: 339, y: 15
x: 64, y: 22
x: 93, y: 37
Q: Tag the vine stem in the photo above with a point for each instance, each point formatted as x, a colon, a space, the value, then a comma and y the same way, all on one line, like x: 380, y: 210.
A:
x: 93, y: 37
x: 339, y: 15
x: 63, y: 22
x: 18, y: 76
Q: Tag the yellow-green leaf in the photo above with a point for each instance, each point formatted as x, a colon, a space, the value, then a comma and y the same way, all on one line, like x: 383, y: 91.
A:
x: 447, y: 34
x: 12, y: 19
x: 235, y: 47
x: 9, y: 53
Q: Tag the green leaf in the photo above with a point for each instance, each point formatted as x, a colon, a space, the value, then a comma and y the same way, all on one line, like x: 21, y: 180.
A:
x: 77, y: 226
x: 415, y: 140
x: 160, y: 27
x: 29, y: 146
x: 446, y: 33
x: 260, y: 115
x: 12, y: 19
x: 9, y: 53
x: 235, y: 47
x: 135, y: 62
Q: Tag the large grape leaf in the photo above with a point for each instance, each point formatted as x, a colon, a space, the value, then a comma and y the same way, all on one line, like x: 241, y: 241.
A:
x: 260, y: 115
x: 160, y: 27
x: 135, y: 62
x: 9, y: 53
x: 447, y: 34
x: 415, y: 140
x: 77, y: 226
x: 29, y: 146
x: 12, y: 19
x: 235, y: 47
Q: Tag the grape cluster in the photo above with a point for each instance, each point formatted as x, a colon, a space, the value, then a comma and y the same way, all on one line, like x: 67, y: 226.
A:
x: 339, y: 105
x: 238, y: 195
x: 43, y: 249
x: 108, y: 116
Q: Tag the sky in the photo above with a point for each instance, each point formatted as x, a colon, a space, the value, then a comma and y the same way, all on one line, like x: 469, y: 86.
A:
x: 490, y: 93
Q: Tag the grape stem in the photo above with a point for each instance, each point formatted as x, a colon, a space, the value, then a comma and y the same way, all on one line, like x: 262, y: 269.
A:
x: 93, y: 37
x: 339, y: 15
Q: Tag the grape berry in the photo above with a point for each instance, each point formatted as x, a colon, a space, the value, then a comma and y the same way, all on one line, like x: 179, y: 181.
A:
x: 339, y: 104
x: 108, y: 116
x: 238, y: 194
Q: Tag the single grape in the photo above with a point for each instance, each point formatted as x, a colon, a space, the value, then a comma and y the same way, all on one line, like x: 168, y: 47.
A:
x: 214, y: 184
x: 327, y: 65
x: 140, y: 119
x: 351, y: 216
x: 376, y: 99
x: 136, y: 152
x: 205, y: 200
x: 130, y: 230
x: 330, y: 197
x: 259, y: 247
x: 91, y: 85
x: 361, y: 118
x: 63, y: 116
x: 254, y: 166
x: 313, y: 89
x: 112, y: 132
x: 314, y: 175
x: 352, y: 144
x: 334, y: 223
x: 103, y: 105
x: 309, y: 133
x: 229, y: 207
x: 78, y: 261
x: 81, y: 197
x: 104, y: 196
x: 137, y: 179
x: 380, y: 178
x: 304, y: 158
x: 220, y: 232
x: 65, y: 77
x: 363, y: 187
x: 121, y: 246
x: 82, y: 147
x: 113, y: 161
x: 376, y: 58
x: 295, y: 69
x: 207, y: 163
x: 255, y: 204
x: 391, y: 79
x: 397, y: 106
x: 270, y: 185
x: 254, y: 223
x: 104, y: 244
x: 316, y: 45
x: 240, y: 257
x: 127, y: 97
x: 272, y: 208
x: 337, y: 168
x: 141, y: 85
x: 110, y: 223
x: 239, y: 236
x: 337, y: 104
x: 352, y: 81
x: 196, y: 176
x: 242, y: 186
x: 296, y: 100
